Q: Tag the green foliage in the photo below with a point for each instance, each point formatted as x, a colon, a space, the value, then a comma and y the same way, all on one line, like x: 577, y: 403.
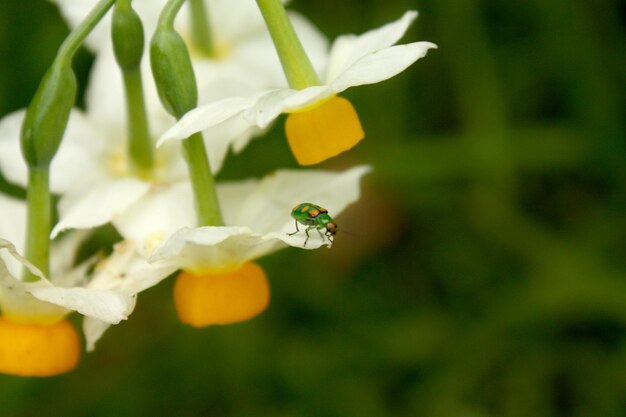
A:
x: 485, y: 275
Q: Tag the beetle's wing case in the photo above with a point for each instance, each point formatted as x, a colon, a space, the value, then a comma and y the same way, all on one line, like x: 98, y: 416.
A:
x: 313, y: 213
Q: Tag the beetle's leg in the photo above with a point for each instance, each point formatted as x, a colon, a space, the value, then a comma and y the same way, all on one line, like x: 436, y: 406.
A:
x: 307, y: 234
x: 320, y: 233
x: 297, y: 230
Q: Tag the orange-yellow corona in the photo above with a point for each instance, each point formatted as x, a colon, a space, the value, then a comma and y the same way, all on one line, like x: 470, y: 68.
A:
x: 38, y: 350
x: 323, y: 130
x: 221, y: 298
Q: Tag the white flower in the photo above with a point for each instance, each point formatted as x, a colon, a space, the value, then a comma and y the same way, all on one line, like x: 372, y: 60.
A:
x: 43, y: 300
x: 124, y: 272
x: 107, y: 296
x: 219, y: 282
x: 91, y: 170
x: 256, y: 216
x: 246, y: 63
x: 322, y: 125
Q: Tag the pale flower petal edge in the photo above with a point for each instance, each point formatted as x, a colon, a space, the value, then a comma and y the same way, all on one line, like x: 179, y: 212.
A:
x: 381, y: 65
x: 96, y: 204
x: 103, y: 305
x: 204, y: 117
x: 347, y: 49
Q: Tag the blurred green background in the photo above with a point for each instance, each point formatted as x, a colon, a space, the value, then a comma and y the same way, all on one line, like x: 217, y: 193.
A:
x: 486, y: 270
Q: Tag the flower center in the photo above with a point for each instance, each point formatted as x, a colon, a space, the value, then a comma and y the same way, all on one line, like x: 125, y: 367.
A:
x: 37, y: 350
x: 119, y: 165
x: 221, y: 298
x: 325, y: 130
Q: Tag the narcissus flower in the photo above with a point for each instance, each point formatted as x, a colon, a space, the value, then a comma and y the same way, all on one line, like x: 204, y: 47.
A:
x: 320, y: 124
x: 35, y: 337
x: 91, y: 170
x: 244, y: 63
x: 220, y: 283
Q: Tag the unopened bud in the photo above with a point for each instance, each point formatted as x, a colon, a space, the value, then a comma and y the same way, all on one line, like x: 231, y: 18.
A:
x: 173, y: 72
x: 127, y: 35
x: 47, y: 115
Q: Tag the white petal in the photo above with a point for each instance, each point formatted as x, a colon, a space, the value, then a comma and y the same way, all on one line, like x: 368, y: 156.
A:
x: 104, y: 305
x: 234, y: 132
x: 153, y: 219
x: 270, y: 105
x: 96, y: 204
x: 14, y: 296
x: 314, y: 42
x: 63, y: 253
x: 93, y: 330
x: 232, y: 196
x: 105, y: 97
x: 13, y: 252
x: 315, y: 241
x: 226, y: 79
x: 381, y: 65
x: 220, y: 79
x: 79, y: 154
x: 12, y: 228
x: 125, y: 272
x: 262, y: 221
x: 267, y: 208
x: 234, y: 20
x: 14, y: 299
x: 12, y: 163
x: 74, y: 12
x: 347, y: 49
x: 215, y: 248
x: 204, y: 117
x: 259, y: 53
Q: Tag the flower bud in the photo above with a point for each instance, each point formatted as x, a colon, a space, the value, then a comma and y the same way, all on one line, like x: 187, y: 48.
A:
x: 173, y: 72
x: 127, y: 35
x: 47, y: 115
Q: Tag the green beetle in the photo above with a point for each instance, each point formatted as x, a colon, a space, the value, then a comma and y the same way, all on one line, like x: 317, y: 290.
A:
x: 314, y: 217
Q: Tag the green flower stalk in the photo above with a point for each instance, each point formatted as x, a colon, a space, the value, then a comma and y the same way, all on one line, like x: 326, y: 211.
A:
x: 42, y: 131
x: 294, y: 60
x: 200, y: 29
x: 176, y: 84
x: 128, y: 41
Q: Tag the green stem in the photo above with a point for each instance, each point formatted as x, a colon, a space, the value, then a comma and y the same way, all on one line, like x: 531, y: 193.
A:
x: 169, y: 12
x: 39, y: 204
x: 207, y: 205
x: 170, y: 59
x: 77, y: 36
x: 200, y: 28
x: 39, y: 220
x: 139, y: 140
x: 296, y: 64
